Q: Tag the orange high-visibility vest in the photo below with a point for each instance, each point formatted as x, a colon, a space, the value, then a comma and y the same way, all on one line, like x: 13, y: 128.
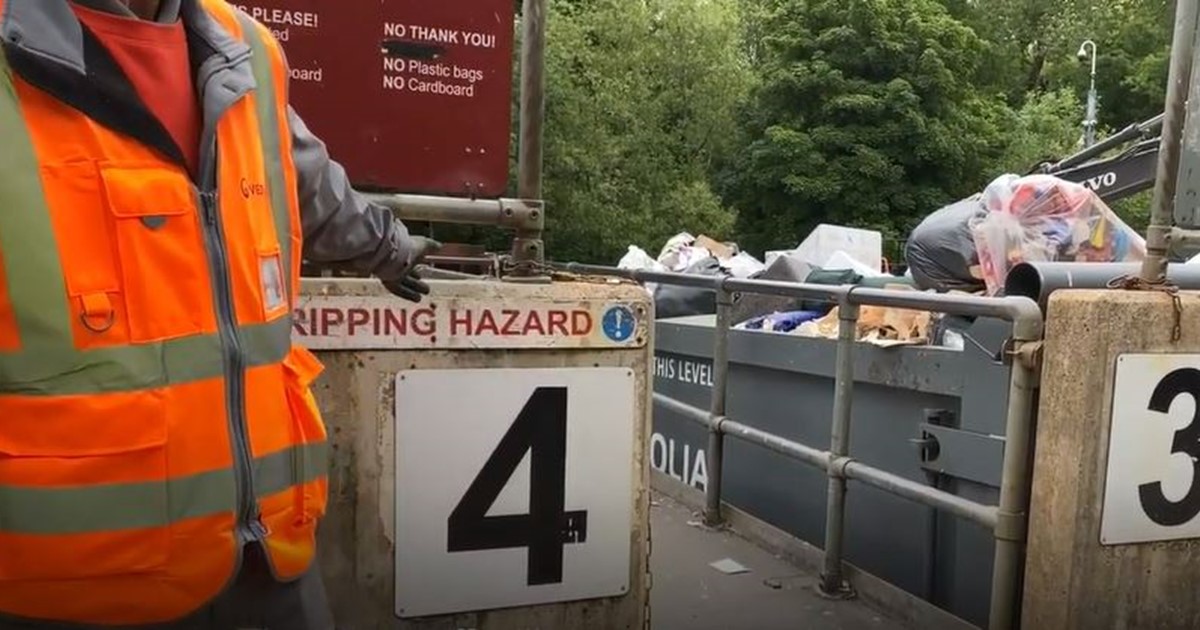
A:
x: 154, y: 415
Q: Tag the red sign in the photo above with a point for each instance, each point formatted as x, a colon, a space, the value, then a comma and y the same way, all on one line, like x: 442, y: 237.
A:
x: 409, y: 95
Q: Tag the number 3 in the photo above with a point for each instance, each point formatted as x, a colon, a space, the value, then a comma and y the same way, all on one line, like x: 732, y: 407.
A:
x: 1187, y: 441
x: 541, y: 430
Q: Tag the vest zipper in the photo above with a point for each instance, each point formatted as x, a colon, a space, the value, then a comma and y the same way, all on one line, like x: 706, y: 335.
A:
x: 248, y: 527
x: 249, y: 520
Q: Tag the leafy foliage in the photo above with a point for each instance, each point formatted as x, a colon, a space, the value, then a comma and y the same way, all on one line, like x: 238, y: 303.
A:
x: 1133, y: 40
x: 755, y: 120
x: 641, y: 102
x: 1044, y: 129
x: 868, y: 115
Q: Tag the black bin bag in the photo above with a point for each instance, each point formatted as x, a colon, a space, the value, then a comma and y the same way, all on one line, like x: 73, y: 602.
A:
x: 672, y: 301
x: 941, y: 251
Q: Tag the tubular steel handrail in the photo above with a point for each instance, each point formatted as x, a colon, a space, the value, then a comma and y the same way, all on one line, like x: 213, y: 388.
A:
x: 1007, y: 521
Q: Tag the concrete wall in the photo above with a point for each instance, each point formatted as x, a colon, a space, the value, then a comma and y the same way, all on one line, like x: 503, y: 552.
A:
x: 356, y: 393
x: 1072, y: 581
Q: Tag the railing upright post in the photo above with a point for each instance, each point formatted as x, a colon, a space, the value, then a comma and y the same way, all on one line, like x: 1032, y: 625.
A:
x: 1166, y: 183
x: 1013, y: 513
x: 832, y: 582
x: 527, y: 248
x: 720, y: 390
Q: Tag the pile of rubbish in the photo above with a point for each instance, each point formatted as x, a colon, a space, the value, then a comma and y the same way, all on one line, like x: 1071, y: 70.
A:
x: 967, y: 247
x: 973, y: 244
x: 831, y: 255
x: 684, y: 252
x: 884, y: 327
x: 701, y: 256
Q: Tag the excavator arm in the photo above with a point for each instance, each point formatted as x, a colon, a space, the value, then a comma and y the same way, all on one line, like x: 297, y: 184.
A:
x: 1123, y: 175
x: 1118, y: 177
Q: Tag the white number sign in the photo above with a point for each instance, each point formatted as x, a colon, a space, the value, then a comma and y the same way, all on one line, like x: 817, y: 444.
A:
x: 1152, y: 490
x: 514, y: 487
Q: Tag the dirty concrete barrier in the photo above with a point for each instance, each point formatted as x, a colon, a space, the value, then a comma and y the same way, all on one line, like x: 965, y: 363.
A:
x: 1114, y: 532
x: 488, y: 453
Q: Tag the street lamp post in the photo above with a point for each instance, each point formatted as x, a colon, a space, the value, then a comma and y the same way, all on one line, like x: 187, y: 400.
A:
x: 1089, y: 125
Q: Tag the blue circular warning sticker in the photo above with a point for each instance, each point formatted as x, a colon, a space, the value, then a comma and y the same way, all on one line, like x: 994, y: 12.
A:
x: 619, y: 324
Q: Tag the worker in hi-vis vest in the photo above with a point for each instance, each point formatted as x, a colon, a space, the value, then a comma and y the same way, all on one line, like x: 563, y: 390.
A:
x: 162, y: 460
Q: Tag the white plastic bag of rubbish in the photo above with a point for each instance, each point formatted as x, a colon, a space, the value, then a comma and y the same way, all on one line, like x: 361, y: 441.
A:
x: 678, y: 253
x: 864, y: 246
x: 691, y: 256
x: 743, y: 265
x: 638, y: 259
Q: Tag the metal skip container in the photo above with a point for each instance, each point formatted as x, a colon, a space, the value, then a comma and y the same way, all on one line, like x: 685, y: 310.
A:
x: 488, y: 452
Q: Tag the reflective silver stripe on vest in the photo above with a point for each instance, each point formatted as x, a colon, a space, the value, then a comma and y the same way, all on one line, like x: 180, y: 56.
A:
x: 79, y: 510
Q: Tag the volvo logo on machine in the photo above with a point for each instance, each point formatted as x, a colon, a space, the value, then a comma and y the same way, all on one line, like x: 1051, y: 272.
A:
x: 1099, y: 182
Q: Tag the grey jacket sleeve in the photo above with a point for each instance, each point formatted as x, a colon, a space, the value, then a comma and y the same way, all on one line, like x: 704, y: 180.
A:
x: 340, y: 226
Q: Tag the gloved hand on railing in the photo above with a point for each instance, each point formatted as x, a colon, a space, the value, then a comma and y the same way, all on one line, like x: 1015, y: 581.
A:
x: 399, y: 275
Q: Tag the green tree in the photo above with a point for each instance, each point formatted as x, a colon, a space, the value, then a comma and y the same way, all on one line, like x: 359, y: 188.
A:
x: 640, y: 106
x: 1045, y: 129
x: 641, y: 102
x: 1134, y: 41
x: 1025, y: 40
x: 1033, y: 46
x: 869, y: 114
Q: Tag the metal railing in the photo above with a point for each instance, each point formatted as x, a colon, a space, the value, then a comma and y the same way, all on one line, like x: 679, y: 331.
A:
x: 1162, y: 235
x: 1007, y: 521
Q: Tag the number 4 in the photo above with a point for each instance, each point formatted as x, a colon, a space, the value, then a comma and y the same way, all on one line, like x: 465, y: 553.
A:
x: 541, y: 430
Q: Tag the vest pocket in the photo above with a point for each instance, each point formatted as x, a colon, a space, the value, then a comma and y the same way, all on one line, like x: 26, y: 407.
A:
x: 87, y: 253
x: 83, y: 490
x: 160, y: 250
x: 300, y: 369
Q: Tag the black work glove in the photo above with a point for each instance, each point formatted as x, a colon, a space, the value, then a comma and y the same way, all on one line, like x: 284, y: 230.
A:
x: 401, y: 277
